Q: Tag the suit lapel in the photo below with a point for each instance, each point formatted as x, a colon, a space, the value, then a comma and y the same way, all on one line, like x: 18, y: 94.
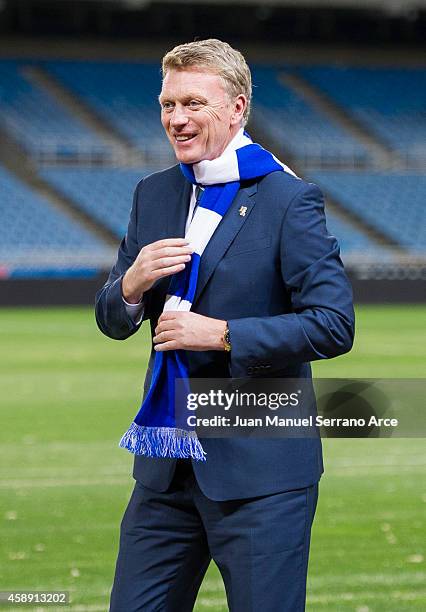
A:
x: 177, y: 210
x: 224, y: 235
x: 175, y: 206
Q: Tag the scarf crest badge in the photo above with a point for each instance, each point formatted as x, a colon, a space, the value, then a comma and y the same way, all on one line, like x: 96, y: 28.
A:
x: 154, y: 431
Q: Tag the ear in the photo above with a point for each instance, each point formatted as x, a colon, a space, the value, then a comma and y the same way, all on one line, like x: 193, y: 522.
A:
x: 240, y: 105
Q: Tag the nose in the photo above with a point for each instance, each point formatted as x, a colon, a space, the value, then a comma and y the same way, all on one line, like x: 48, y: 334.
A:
x: 179, y: 116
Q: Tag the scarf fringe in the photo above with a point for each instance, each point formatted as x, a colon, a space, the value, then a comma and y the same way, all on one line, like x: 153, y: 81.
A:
x: 162, y: 442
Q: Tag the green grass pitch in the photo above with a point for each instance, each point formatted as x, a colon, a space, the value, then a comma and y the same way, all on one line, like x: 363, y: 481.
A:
x: 68, y: 393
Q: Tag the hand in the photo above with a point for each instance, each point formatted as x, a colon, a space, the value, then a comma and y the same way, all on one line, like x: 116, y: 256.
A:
x: 156, y: 260
x: 189, y: 331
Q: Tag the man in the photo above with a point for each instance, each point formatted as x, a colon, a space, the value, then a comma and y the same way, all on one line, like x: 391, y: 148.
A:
x: 271, y: 296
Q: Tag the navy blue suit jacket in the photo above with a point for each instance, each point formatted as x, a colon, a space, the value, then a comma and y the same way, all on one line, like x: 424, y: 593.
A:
x: 276, y: 276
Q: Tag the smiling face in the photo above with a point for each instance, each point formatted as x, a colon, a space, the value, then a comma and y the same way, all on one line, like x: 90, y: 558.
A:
x: 198, y: 115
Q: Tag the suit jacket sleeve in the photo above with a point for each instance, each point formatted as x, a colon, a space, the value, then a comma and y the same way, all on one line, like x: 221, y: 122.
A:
x: 110, y: 310
x: 321, y: 324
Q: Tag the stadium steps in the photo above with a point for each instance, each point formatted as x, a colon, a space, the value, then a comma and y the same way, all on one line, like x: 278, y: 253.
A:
x: 124, y: 152
x: 333, y: 206
x: 383, y: 156
x: 14, y: 160
x: 379, y: 239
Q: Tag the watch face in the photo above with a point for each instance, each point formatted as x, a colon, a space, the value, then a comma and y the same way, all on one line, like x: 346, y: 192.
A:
x: 227, y: 340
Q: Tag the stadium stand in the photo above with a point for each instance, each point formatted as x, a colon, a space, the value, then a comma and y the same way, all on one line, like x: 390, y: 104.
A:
x: 103, y: 193
x: 352, y: 241
x: 35, y: 236
x: 305, y: 132
x: 114, y: 189
x: 124, y: 94
x: 389, y: 102
x: 392, y: 203
x: 38, y: 122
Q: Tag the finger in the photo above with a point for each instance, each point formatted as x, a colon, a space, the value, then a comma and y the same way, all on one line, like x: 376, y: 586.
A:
x: 171, y: 251
x: 165, y: 325
x: 156, y: 274
x: 165, y: 336
x: 168, y: 315
x: 172, y: 345
x: 169, y: 242
x: 167, y: 262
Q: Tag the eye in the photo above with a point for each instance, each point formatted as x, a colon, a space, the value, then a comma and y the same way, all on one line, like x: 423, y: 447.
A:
x: 194, y: 103
x: 166, y: 106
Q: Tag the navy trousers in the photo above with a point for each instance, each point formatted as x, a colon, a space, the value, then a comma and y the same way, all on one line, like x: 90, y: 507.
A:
x: 167, y: 541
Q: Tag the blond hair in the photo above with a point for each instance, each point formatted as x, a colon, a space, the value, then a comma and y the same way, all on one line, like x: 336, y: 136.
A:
x: 218, y: 57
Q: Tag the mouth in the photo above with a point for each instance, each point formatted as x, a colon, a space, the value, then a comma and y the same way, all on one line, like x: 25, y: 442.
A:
x: 181, y: 139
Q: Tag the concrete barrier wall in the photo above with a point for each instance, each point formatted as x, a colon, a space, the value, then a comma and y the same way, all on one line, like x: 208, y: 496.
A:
x: 73, y: 292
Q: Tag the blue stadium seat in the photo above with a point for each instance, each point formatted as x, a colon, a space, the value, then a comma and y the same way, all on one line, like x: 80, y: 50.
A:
x: 113, y: 189
x: 392, y: 203
x: 352, y: 241
x: 32, y: 230
x: 38, y: 122
x: 292, y: 122
x: 104, y: 193
x: 389, y: 102
x: 124, y: 94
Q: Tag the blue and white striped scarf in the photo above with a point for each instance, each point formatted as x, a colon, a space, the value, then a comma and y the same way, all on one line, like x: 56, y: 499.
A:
x: 154, y: 431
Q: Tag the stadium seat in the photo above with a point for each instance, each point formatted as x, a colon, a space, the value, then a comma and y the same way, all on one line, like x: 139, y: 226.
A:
x: 291, y: 121
x: 104, y: 193
x: 124, y: 94
x: 352, y: 241
x: 34, y: 234
x: 39, y: 123
x: 114, y: 190
x: 389, y: 102
x: 392, y: 203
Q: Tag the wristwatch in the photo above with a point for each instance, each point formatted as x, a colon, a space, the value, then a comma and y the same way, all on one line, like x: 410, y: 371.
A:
x: 226, y: 339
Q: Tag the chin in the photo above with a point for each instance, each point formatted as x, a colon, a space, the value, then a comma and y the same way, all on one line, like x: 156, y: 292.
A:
x: 187, y: 157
